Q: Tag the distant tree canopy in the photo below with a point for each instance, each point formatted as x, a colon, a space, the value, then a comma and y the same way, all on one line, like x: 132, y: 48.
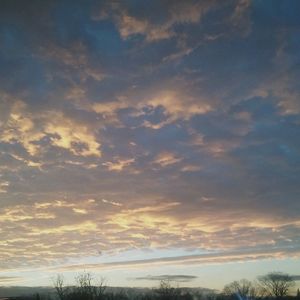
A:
x: 276, y: 284
x: 273, y: 285
x: 86, y: 288
x: 243, y: 288
x: 166, y: 291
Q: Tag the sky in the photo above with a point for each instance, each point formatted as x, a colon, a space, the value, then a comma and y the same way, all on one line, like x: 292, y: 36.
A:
x: 146, y: 139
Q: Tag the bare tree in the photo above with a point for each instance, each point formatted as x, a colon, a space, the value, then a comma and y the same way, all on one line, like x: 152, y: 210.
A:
x: 167, y: 292
x: 87, y: 289
x: 243, y: 288
x: 58, y: 283
x: 276, y: 284
x: 101, y: 288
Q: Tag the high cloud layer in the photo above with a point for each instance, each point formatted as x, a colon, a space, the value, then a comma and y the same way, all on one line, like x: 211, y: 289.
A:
x: 160, y: 125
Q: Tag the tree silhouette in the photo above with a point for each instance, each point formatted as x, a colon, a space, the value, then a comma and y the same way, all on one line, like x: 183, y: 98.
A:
x: 243, y: 288
x: 84, y: 290
x: 167, y: 292
x: 276, y: 284
x: 58, y: 283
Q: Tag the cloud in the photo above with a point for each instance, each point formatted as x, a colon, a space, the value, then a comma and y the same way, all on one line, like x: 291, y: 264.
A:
x: 146, y: 216
x: 67, y: 134
x: 178, y: 278
x: 20, y: 128
x: 190, y: 168
x: 165, y: 159
x: 129, y: 25
x: 10, y: 279
x: 80, y: 211
x: 175, y: 105
x: 211, y: 258
x: 119, y: 165
x: 179, y: 106
x: 3, y: 186
x: 58, y: 130
x: 112, y: 202
x: 149, y: 126
x: 73, y: 59
x: 177, y: 13
x: 241, y: 16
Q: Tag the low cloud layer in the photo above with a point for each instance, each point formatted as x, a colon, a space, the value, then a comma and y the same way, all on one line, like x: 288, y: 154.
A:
x: 178, y: 278
x: 10, y: 279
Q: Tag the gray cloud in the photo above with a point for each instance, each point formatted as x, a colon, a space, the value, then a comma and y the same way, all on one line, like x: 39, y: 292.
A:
x: 179, y: 278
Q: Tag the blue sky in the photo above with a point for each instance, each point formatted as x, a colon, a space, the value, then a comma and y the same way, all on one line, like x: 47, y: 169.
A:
x: 148, y: 138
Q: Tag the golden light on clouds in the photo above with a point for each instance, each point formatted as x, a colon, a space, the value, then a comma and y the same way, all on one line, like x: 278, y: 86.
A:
x: 166, y: 158
x: 119, y: 164
x: 176, y: 107
x: 148, y: 134
x: 65, y: 133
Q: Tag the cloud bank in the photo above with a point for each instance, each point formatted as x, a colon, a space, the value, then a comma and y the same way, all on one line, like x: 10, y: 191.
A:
x: 163, y: 125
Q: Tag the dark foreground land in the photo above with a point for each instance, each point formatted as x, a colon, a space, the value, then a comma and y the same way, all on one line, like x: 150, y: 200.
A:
x: 126, y: 294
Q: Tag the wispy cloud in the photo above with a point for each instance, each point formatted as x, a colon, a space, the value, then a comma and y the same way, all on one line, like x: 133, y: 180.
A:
x: 112, y: 202
x: 211, y: 258
x: 176, y: 13
x: 166, y: 158
x: 119, y: 164
x: 10, y: 279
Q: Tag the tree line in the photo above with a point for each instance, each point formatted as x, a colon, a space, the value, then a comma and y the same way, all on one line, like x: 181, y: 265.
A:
x: 274, y: 285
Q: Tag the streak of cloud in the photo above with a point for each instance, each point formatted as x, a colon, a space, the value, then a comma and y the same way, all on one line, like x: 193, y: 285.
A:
x: 202, y: 259
x: 178, y: 278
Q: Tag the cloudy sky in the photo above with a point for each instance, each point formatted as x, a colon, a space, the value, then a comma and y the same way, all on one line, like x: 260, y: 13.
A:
x: 145, y: 139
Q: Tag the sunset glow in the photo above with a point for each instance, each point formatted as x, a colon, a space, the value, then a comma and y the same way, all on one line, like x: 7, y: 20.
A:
x: 141, y: 139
